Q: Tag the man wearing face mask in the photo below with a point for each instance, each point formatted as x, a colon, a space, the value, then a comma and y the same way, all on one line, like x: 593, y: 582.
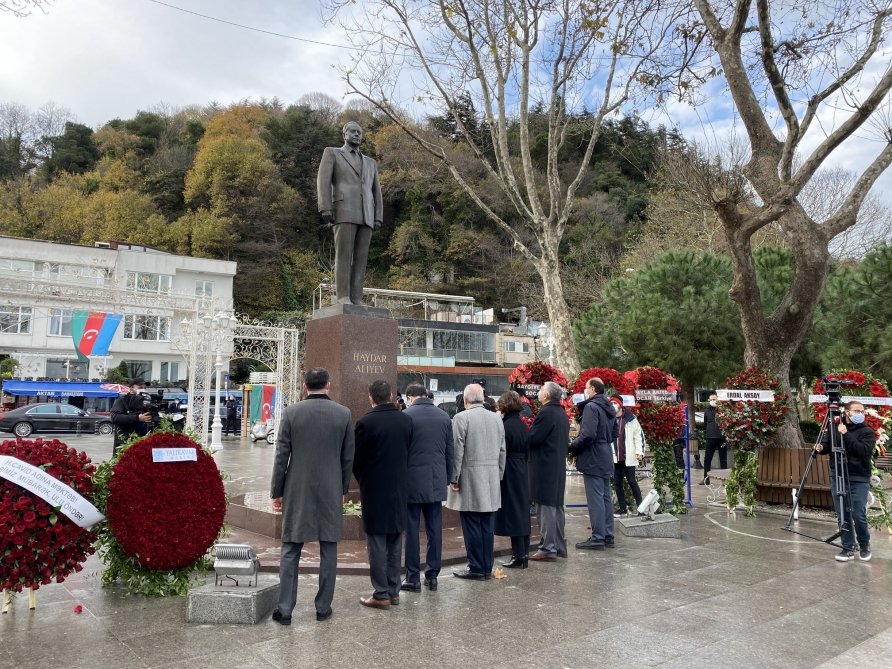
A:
x: 593, y: 447
x: 858, y: 440
x: 715, y: 440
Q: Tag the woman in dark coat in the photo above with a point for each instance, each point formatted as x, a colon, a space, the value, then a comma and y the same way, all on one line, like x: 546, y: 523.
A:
x: 513, y: 519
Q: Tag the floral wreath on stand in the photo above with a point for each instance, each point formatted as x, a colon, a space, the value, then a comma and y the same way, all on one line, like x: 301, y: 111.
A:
x: 747, y: 426
x: 878, y: 418
x: 611, y: 378
x: 39, y: 543
x: 537, y: 373
x: 662, y: 423
x: 163, y: 517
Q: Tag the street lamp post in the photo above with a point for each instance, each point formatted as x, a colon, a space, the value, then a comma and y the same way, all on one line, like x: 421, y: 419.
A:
x: 219, y: 328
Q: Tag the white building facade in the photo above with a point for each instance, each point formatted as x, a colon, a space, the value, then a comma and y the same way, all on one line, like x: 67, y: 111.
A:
x: 43, y: 283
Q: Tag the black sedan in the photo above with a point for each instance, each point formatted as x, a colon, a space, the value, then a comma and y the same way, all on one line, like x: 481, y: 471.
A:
x: 53, y: 418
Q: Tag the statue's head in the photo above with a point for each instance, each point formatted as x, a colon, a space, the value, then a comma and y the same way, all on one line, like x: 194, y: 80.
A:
x: 353, y: 133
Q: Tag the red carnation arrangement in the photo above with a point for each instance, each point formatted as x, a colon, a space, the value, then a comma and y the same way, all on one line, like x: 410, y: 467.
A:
x: 38, y: 543
x: 748, y: 425
x: 610, y: 377
x: 165, y: 514
x: 662, y: 423
x: 861, y: 385
x: 538, y: 373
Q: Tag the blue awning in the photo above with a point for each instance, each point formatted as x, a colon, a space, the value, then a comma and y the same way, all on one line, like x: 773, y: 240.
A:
x: 57, y: 389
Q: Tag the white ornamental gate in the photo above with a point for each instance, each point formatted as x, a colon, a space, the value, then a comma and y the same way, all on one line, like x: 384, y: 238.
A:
x: 276, y: 347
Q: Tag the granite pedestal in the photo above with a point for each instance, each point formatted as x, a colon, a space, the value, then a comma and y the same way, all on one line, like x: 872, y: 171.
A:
x: 357, y: 345
x: 229, y: 604
x: 663, y: 526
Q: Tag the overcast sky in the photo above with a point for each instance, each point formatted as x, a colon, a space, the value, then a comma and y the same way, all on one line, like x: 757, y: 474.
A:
x: 105, y: 60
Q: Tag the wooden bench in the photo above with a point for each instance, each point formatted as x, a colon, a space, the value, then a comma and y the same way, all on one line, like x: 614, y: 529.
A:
x: 884, y: 461
x: 781, y: 469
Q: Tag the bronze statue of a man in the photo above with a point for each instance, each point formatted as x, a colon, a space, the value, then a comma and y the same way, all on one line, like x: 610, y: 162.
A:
x: 350, y: 199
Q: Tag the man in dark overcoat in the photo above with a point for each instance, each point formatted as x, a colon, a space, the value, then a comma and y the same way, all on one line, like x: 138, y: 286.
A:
x: 598, y: 431
x: 430, y: 469
x: 311, y: 475
x: 383, y: 438
x: 549, y: 441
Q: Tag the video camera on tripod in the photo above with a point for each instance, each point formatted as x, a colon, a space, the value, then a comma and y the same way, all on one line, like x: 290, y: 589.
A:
x: 840, y: 473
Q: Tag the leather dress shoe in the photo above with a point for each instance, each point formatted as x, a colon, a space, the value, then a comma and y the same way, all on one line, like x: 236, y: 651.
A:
x: 469, y: 575
x: 610, y: 542
x: 590, y: 545
x: 431, y: 584
x: 517, y: 563
x: 395, y: 600
x: 323, y: 616
x: 373, y: 603
x: 541, y: 556
x: 561, y: 554
x: 279, y: 618
x: 408, y: 586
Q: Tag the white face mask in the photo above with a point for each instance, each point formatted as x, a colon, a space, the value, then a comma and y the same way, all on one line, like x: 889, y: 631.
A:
x: 712, y: 403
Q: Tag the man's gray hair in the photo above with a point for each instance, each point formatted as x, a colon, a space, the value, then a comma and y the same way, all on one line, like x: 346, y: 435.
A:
x: 474, y: 393
x: 348, y: 124
x: 553, y: 390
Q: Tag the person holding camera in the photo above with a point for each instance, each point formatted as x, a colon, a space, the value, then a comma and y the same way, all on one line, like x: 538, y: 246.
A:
x: 130, y: 415
x: 858, y: 441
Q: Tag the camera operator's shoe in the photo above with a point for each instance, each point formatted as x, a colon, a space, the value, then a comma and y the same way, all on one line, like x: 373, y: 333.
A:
x: 845, y: 555
x: 864, y: 554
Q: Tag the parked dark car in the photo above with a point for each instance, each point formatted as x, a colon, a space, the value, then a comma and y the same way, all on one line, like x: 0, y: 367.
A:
x: 53, y: 418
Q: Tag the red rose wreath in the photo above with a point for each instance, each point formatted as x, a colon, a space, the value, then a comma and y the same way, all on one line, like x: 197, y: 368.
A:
x: 538, y: 373
x: 165, y: 514
x: 38, y: 543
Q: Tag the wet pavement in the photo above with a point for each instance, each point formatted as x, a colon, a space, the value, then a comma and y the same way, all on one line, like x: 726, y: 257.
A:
x: 732, y: 592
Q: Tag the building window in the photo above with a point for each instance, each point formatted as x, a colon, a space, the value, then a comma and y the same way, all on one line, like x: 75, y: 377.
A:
x: 60, y: 322
x: 139, y: 369
x: 147, y: 328
x: 204, y: 289
x: 15, y: 320
x: 516, y: 346
x: 66, y: 368
x: 17, y: 267
x: 146, y: 282
x: 170, y: 371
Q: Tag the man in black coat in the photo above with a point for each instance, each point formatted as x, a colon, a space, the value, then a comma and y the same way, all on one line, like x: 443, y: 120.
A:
x: 129, y: 415
x: 231, y: 416
x: 858, y: 440
x: 383, y: 438
x: 594, y: 460
x: 715, y: 440
x: 430, y: 470
x: 549, y: 439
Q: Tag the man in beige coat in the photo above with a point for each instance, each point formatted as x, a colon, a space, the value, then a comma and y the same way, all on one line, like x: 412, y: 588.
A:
x: 478, y: 466
x: 311, y: 475
x: 349, y: 197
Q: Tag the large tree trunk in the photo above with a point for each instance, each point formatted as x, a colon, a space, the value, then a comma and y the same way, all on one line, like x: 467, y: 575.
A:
x: 559, y: 315
x: 772, y: 340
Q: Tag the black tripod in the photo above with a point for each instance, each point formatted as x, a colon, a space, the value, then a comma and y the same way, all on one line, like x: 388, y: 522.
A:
x: 845, y: 517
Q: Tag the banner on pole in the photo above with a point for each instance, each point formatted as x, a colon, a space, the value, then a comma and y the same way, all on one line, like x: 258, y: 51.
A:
x: 51, y: 490
x: 875, y: 401
x: 727, y: 395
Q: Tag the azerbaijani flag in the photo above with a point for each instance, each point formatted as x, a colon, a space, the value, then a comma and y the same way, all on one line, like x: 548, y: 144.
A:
x: 262, y: 402
x: 92, y: 332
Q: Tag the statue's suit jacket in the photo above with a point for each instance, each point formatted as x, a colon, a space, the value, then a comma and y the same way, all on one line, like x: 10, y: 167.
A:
x: 352, y: 196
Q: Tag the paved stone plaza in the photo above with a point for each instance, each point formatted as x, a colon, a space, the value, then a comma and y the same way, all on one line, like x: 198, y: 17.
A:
x: 732, y: 592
